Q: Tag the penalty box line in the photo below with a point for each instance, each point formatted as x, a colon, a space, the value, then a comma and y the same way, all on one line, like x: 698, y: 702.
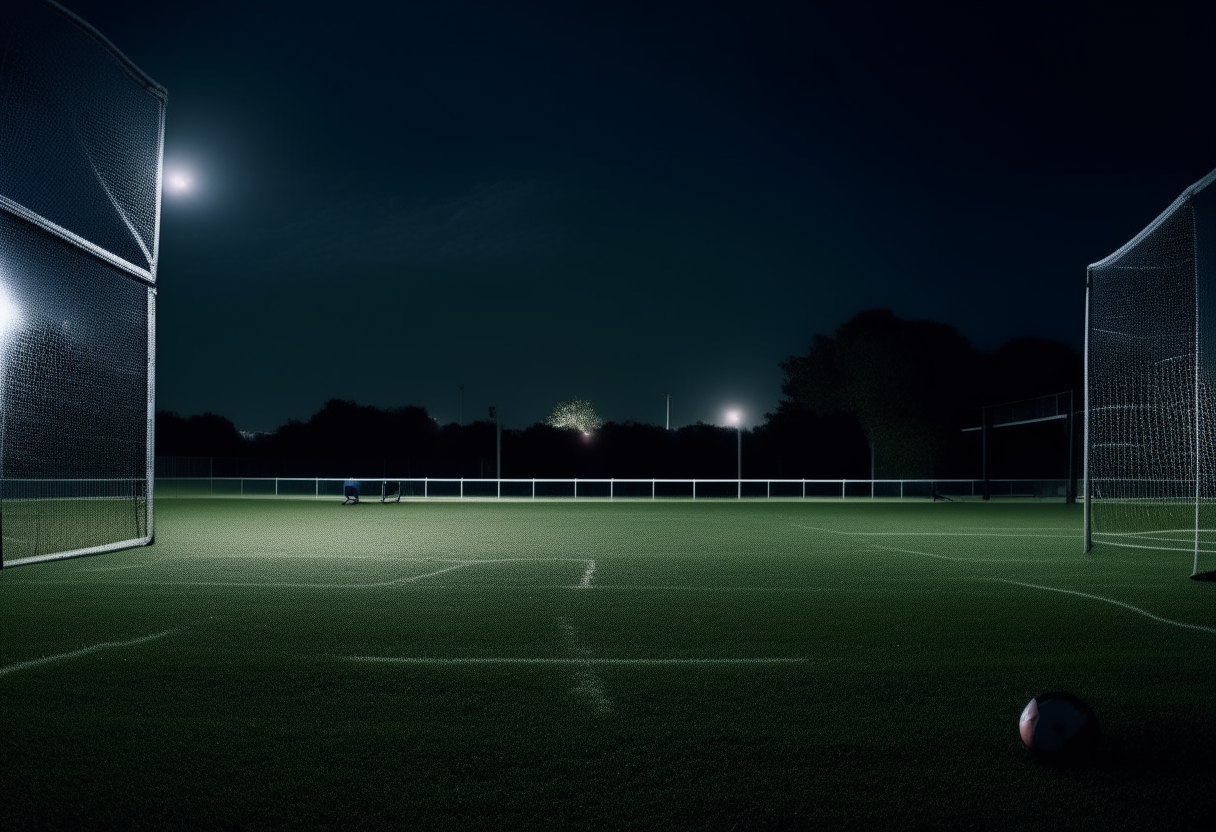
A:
x: 584, y: 584
x: 965, y: 560
x: 1136, y: 610
x: 71, y: 654
x: 931, y: 534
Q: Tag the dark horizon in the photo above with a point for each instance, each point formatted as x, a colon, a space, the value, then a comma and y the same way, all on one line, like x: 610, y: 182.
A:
x: 831, y: 423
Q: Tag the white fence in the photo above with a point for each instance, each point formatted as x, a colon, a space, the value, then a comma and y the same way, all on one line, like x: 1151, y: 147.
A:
x: 377, y: 488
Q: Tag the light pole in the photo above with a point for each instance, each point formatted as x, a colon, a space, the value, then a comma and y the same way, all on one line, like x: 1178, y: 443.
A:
x: 669, y: 411
x: 497, y: 443
x: 736, y: 419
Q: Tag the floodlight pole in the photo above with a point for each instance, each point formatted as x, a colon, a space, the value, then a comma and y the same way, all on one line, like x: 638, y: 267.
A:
x: 669, y: 411
x: 739, y: 430
x: 497, y: 443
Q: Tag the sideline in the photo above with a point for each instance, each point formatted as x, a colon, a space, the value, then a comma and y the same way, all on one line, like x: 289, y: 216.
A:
x: 12, y: 668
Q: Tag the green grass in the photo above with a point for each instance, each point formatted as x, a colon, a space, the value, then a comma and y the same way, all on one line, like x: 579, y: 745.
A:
x: 916, y: 658
x: 34, y: 528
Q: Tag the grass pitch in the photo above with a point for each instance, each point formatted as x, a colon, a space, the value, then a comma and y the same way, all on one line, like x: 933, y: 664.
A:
x: 630, y: 665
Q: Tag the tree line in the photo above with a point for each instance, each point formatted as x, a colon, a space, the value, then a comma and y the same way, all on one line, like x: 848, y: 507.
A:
x: 881, y: 394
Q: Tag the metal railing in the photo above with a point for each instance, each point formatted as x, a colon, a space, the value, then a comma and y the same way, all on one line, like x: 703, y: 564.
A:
x: 426, y: 488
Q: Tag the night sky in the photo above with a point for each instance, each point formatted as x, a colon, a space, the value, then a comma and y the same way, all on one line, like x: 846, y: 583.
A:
x: 620, y: 200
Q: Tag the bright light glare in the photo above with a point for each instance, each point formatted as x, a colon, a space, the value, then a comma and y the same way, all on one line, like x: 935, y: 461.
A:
x: 179, y: 182
x: 734, y: 417
x: 9, y: 316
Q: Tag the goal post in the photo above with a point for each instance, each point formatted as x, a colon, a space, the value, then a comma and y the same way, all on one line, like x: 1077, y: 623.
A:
x: 1150, y: 415
x: 81, y: 141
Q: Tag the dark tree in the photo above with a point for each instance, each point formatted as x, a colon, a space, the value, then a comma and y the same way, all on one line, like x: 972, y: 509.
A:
x: 206, y: 434
x: 907, y: 383
x: 1025, y: 368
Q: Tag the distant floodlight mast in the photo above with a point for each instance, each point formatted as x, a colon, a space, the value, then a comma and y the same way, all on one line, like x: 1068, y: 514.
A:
x: 736, y: 419
x: 1150, y: 401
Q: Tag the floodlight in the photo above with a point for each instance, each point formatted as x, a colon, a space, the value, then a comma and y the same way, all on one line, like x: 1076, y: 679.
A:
x: 10, y: 316
x: 179, y: 181
x: 734, y: 417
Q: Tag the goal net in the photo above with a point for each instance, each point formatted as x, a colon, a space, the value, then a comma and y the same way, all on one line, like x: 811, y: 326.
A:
x: 1150, y: 431
x: 81, y: 135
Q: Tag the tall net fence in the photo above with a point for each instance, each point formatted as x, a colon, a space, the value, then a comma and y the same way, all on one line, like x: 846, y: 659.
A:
x: 81, y: 135
x: 1150, y: 426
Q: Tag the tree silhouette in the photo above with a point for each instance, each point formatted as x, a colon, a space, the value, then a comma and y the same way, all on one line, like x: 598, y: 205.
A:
x: 907, y: 383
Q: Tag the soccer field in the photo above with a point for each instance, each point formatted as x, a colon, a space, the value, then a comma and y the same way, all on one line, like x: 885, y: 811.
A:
x: 283, y: 664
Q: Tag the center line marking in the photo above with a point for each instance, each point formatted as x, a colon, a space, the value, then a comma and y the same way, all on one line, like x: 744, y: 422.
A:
x: 586, y: 582
x: 588, y: 681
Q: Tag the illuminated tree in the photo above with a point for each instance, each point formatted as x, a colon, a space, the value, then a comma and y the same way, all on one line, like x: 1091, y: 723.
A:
x: 577, y: 414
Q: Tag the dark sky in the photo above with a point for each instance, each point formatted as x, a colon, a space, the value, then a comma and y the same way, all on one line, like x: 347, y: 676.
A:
x: 619, y: 200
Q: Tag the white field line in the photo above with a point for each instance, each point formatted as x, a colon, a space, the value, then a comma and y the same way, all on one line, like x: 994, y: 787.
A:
x: 1155, y: 531
x: 12, y: 668
x: 934, y: 534
x: 587, y: 681
x: 395, y: 582
x: 1137, y: 610
x: 585, y: 583
x: 651, y: 588
x: 117, y: 568
x: 967, y: 560
x: 1105, y: 542
x: 1022, y: 529
x: 434, y: 660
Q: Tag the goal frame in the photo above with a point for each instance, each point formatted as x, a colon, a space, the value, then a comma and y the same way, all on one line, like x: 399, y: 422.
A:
x: 142, y: 273
x: 1202, y: 272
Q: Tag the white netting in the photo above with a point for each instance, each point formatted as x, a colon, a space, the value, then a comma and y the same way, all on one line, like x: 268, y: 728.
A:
x: 80, y: 164
x: 1151, y: 436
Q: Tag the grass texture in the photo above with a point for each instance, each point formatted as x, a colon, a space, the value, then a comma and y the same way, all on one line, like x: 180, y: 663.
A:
x: 282, y: 664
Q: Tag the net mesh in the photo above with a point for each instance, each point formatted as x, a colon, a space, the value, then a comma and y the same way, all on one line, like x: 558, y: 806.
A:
x: 80, y: 138
x: 1151, y: 438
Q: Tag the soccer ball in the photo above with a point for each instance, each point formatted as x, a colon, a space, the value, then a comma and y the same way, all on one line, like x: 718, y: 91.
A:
x: 1059, y: 727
